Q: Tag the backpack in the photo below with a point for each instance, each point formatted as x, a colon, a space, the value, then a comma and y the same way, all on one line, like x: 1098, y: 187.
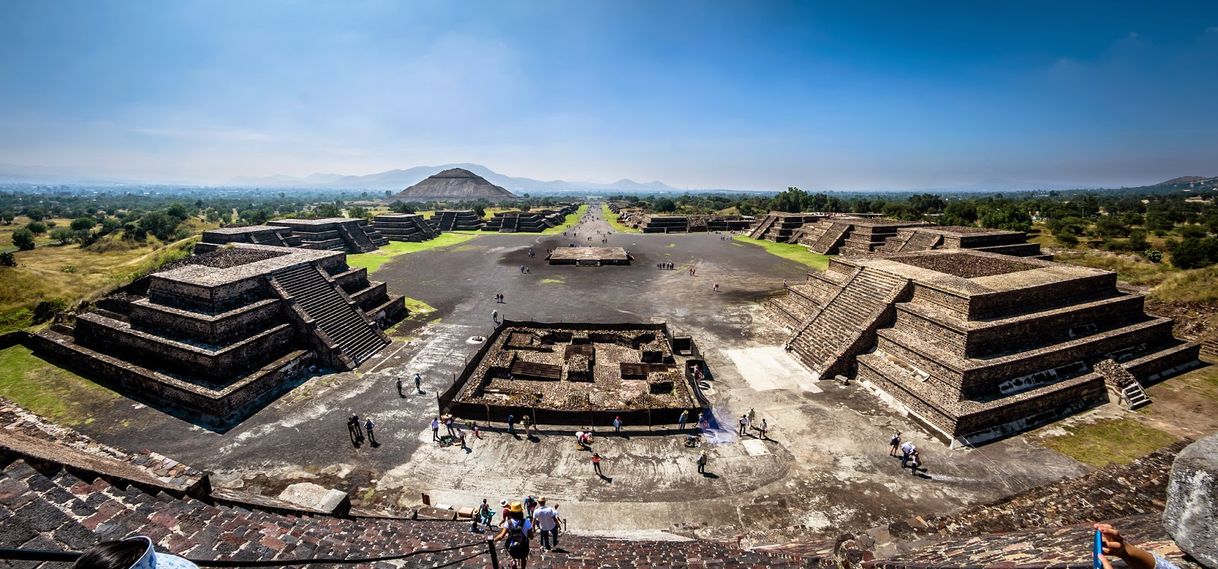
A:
x: 517, y: 540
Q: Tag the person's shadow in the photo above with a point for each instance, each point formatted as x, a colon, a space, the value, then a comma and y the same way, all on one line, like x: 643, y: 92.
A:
x: 710, y: 475
x: 607, y: 479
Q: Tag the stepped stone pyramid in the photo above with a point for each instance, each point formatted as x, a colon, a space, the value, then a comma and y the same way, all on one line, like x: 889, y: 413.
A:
x: 253, y: 234
x: 404, y: 227
x: 533, y: 221
x: 851, y: 235
x: 454, y: 184
x: 977, y: 345
x: 925, y: 238
x: 334, y: 234
x: 456, y: 220
x: 784, y: 227
x: 217, y: 334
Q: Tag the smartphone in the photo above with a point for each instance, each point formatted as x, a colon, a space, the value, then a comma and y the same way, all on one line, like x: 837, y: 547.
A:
x: 1096, y: 550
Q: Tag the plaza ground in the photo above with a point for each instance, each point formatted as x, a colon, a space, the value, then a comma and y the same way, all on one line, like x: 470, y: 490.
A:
x: 826, y: 466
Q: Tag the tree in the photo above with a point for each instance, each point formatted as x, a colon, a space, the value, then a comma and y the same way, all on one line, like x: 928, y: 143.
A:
x: 36, y: 227
x: 160, y: 224
x: 23, y: 239
x: 83, y: 223
x: 665, y: 205
x: 7, y: 259
x: 1194, y: 253
x: 64, y: 236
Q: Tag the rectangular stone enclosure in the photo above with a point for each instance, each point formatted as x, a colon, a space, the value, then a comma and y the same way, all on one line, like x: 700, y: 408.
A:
x: 579, y: 374
x: 589, y: 256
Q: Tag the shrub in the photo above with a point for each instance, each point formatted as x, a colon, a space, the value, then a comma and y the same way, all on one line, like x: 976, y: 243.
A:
x: 83, y: 223
x: 23, y: 239
x: 36, y: 227
x: 7, y: 259
x: 46, y: 309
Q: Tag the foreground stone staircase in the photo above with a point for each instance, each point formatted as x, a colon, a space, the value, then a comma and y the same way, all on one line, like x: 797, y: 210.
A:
x: 333, y: 312
x: 831, y: 337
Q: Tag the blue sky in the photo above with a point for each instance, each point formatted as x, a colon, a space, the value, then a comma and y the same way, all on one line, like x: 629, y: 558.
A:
x: 713, y: 93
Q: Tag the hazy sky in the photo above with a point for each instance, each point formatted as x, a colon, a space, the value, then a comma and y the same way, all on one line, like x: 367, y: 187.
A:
x: 711, y: 93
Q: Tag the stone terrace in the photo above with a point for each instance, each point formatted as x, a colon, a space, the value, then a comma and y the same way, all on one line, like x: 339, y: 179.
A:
x: 912, y: 239
x: 404, y: 227
x: 977, y: 345
x: 212, y: 337
x: 334, y: 234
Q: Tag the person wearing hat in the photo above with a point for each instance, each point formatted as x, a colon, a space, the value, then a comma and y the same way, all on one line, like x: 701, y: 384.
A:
x: 132, y: 553
x: 515, y: 534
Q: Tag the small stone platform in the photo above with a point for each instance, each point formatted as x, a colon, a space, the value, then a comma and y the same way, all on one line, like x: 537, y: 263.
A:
x: 589, y: 256
x: 577, y: 374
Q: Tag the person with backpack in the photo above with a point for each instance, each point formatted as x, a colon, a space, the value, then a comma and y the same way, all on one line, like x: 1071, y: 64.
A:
x: 894, y: 444
x: 515, y: 534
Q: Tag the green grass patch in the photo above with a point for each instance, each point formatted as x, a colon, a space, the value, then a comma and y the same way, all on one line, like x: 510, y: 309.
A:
x: 1108, y: 441
x: 47, y: 390
x: 618, y: 226
x: 790, y: 251
x: 418, y: 309
x: 567, y: 222
x: 1199, y: 285
x: 373, y: 261
x: 1129, y: 268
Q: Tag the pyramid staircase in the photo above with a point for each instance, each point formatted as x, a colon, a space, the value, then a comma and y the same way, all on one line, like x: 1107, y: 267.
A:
x: 828, y: 341
x: 831, y: 239
x: 350, y: 332
x: 356, y: 239
x: 762, y: 227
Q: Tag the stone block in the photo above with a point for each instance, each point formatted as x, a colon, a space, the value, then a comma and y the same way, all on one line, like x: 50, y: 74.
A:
x: 1191, y: 514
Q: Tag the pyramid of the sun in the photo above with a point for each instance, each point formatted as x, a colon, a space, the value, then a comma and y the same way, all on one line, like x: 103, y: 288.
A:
x: 454, y: 184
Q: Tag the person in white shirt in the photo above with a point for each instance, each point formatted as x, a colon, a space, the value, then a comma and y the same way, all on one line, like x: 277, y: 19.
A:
x: 546, y: 519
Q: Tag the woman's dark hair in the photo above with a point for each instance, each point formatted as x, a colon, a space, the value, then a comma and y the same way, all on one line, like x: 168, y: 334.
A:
x: 121, y: 554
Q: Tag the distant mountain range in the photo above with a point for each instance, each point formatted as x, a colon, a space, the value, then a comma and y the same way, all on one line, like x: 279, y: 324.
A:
x: 401, y: 179
x: 397, y: 180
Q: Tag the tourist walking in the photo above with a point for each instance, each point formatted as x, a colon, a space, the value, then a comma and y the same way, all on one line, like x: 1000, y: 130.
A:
x: 684, y: 417
x: 353, y: 430
x: 716, y: 287
x: 368, y: 425
x: 907, y: 449
x: 448, y: 425
x: 546, y: 519
x: 915, y: 461
x: 511, y: 421
x: 400, y: 394
x: 495, y: 317
x: 461, y: 437
x: 596, y: 465
x: 702, y: 460
x: 617, y: 424
x: 435, y: 428
x: 744, y: 424
x: 516, y: 532
x: 894, y: 444
x: 763, y: 428
x: 752, y: 415
x: 418, y: 383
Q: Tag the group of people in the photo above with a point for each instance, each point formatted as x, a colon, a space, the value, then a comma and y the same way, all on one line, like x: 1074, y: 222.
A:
x: 748, y: 420
x: 666, y: 266
x: 519, y: 523
x: 909, y: 454
x: 418, y: 385
x: 357, y: 430
x: 456, y: 434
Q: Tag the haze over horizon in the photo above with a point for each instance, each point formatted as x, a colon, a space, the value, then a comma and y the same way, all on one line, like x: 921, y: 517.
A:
x: 693, y: 94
